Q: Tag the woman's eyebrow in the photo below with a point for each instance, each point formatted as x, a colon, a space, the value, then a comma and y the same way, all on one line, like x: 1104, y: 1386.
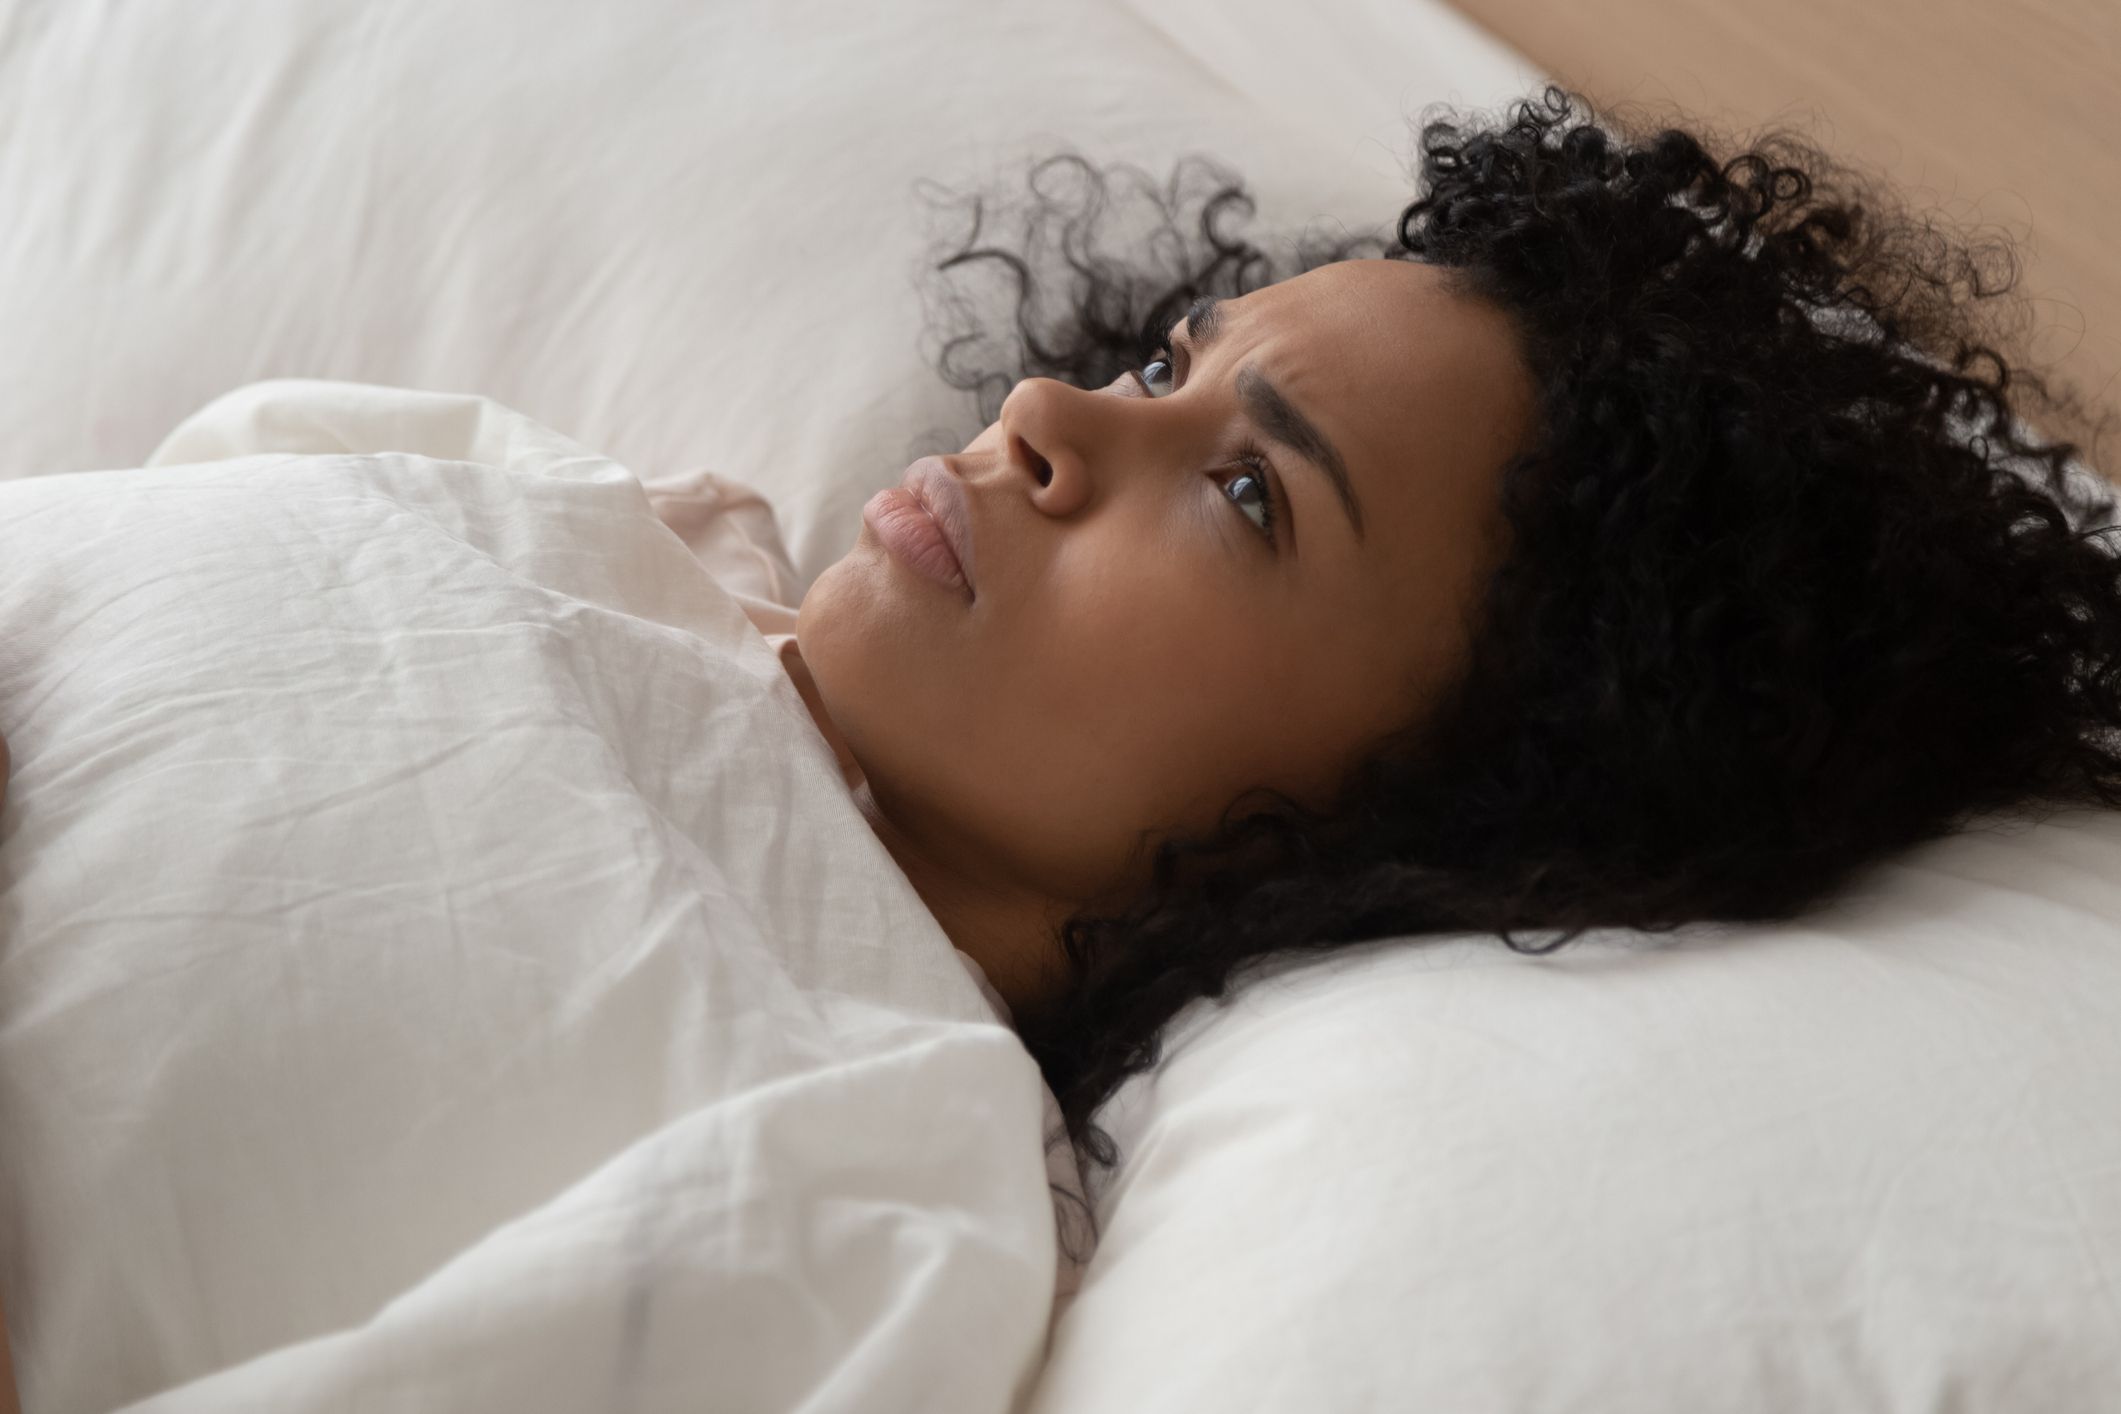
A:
x: 1274, y: 414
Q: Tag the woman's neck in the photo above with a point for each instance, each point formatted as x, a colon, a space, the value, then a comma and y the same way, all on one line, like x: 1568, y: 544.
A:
x: 1008, y: 930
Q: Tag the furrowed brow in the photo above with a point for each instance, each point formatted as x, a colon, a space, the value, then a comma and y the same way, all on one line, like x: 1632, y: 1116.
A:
x: 1275, y: 416
x: 1281, y: 420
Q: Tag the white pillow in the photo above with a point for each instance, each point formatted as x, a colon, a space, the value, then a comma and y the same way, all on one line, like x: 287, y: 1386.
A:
x: 442, y: 969
x: 1867, y: 1161
x: 686, y: 233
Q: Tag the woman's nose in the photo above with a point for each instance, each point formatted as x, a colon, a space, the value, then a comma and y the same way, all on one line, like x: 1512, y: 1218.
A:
x: 1050, y: 435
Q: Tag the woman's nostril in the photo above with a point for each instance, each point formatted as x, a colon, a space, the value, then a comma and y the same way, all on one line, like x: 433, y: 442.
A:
x: 1042, y: 468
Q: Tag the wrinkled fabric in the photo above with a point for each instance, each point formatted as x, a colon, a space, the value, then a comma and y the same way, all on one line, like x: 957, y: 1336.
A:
x: 441, y: 968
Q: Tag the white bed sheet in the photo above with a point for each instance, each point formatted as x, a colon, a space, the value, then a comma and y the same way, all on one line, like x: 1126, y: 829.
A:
x: 441, y: 968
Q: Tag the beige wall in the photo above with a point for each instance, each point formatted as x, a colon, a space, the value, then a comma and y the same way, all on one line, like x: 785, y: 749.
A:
x: 2003, y: 115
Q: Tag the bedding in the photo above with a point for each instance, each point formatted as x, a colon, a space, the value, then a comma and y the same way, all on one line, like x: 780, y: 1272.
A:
x: 1870, y: 1159
x: 442, y: 969
x: 688, y: 234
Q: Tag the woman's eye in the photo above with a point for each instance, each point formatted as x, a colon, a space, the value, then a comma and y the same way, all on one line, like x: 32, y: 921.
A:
x: 1254, y: 476
x: 1155, y: 376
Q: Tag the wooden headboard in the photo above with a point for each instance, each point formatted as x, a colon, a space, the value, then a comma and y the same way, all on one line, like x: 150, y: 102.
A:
x: 2000, y: 118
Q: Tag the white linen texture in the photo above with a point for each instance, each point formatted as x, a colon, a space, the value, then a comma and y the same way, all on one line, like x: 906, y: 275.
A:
x: 1869, y: 1159
x: 442, y: 969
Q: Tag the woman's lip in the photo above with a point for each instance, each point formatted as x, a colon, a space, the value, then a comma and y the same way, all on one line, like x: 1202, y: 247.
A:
x: 940, y: 490
x: 913, y: 537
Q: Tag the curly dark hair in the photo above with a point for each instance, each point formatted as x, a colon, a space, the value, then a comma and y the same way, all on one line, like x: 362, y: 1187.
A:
x: 1789, y: 586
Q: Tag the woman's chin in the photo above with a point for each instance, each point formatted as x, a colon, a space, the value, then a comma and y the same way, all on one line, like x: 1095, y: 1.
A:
x: 869, y: 596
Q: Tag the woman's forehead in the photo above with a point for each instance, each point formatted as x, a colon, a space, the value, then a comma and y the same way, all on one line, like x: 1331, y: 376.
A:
x: 1412, y: 380
x: 1386, y: 306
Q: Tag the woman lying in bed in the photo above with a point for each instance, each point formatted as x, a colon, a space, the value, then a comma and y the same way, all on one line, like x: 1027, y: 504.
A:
x: 1643, y: 538
x: 1637, y: 541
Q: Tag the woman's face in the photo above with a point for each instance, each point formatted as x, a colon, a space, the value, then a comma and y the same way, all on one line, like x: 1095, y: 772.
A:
x: 1136, y: 651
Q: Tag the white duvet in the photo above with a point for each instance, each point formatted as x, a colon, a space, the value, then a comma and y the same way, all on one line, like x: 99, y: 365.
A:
x: 441, y: 968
